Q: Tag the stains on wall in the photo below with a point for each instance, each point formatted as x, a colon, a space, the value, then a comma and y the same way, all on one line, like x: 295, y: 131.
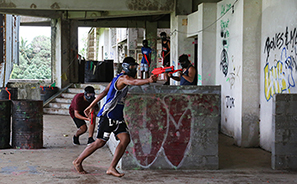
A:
x: 150, y: 5
x: 33, y: 6
x: 55, y: 6
x: 4, y: 4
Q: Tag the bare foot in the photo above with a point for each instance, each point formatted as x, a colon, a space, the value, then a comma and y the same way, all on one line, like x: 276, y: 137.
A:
x: 79, y: 167
x: 114, y: 172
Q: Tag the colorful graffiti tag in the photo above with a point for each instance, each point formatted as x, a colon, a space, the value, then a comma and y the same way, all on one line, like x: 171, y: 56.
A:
x: 279, y: 74
x: 279, y: 78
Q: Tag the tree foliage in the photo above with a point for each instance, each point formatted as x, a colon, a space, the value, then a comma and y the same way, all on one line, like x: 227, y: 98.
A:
x: 34, y: 59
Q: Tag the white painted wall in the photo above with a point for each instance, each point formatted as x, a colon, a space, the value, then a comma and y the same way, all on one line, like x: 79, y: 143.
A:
x: 278, y: 59
x: 229, y: 32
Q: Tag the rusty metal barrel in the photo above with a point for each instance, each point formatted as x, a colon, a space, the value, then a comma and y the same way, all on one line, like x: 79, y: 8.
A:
x: 27, y: 124
x: 5, y: 113
x: 8, y: 93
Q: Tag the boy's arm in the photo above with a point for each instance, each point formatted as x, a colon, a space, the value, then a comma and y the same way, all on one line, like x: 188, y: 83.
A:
x: 88, y: 110
x: 79, y: 116
x: 127, y: 80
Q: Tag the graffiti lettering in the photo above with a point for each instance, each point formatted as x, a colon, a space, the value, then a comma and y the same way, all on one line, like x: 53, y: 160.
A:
x: 279, y: 40
x: 225, y: 8
x: 230, y: 102
x: 279, y: 78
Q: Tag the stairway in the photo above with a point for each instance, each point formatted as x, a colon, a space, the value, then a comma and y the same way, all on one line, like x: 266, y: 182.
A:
x: 60, y: 105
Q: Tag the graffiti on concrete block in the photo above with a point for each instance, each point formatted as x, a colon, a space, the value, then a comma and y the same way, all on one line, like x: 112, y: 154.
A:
x: 230, y: 102
x: 161, y: 125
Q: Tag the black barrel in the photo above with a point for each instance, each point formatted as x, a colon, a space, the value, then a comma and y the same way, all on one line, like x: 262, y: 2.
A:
x: 27, y: 124
x: 5, y: 113
x: 5, y: 93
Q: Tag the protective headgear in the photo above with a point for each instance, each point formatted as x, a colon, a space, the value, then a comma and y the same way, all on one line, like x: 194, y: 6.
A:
x: 145, y: 43
x: 163, y: 36
x: 130, y: 66
x: 89, y: 93
x: 184, y: 61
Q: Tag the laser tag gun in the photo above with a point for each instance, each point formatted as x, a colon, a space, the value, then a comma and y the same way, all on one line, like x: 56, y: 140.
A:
x: 169, y: 69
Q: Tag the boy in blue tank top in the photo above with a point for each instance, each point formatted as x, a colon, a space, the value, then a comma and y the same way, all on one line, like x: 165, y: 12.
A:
x: 111, y: 116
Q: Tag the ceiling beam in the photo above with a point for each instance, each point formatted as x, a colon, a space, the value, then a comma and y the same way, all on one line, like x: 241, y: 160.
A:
x: 119, y: 23
x: 108, y: 14
x: 95, y: 5
x: 34, y: 13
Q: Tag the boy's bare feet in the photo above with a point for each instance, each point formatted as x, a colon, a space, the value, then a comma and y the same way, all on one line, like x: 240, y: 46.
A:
x: 114, y: 172
x: 79, y: 167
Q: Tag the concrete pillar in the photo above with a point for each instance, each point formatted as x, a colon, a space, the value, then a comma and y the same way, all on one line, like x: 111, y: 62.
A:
x: 132, y: 42
x: 250, y: 72
x: 206, y: 44
x: 64, y: 52
x: 73, y: 55
x: 179, y: 43
x: 151, y: 36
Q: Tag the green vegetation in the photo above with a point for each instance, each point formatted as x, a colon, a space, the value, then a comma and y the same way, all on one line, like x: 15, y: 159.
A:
x: 34, y: 59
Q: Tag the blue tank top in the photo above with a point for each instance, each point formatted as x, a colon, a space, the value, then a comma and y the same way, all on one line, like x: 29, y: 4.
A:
x: 145, y: 51
x: 114, y: 105
x: 183, y: 81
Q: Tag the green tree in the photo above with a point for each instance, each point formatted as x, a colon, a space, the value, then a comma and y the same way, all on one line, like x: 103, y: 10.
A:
x: 35, y: 59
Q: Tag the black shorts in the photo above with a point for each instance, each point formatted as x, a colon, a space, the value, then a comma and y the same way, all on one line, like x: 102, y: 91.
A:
x: 166, y: 61
x: 79, y: 122
x: 106, y: 126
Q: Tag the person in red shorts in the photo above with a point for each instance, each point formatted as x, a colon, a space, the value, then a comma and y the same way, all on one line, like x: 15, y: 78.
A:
x: 76, y: 110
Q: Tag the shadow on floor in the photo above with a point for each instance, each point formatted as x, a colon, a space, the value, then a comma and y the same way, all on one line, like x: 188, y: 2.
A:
x: 234, y: 157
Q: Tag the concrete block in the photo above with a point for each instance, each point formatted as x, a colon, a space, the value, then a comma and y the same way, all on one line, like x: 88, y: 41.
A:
x: 287, y: 108
x: 286, y: 135
x: 172, y: 127
x: 285, y: 149
x: 285, y: 121
x: 283, y: 162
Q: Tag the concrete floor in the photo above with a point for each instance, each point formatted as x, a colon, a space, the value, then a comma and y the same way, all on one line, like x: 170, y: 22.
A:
x: 53, y: 164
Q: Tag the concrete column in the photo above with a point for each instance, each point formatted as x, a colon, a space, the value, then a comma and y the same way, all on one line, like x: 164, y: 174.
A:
x: 250, y: 72
x: 132, y: 42
x: 64, y: 52
x: 74, y: 64
x: 179, y: 43
x: 206, y: 44
x: 151, y: 36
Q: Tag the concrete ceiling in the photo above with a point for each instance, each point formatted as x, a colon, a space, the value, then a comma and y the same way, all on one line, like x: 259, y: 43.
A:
x: 102, y: 12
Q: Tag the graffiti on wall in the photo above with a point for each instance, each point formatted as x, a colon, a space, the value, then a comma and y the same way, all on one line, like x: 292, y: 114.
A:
x: 279, y: 73
x: 162, y: 125
x: 234, y: 74
x: 224, y: 24
x: 286, y: 39
x: 230, y: 102
x: 279, y: 77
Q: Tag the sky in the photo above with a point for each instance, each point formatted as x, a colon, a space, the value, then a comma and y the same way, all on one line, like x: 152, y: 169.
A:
x: 29, y: 32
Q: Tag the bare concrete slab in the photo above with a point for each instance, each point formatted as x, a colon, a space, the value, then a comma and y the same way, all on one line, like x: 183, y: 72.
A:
x: 53, y: 164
